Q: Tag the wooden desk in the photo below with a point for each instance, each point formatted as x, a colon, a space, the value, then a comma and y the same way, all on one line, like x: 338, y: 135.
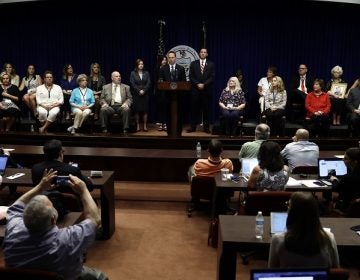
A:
x: 242, y: 184
x: 157, y: 164
x: 238, y: 233
x: 105, y: 184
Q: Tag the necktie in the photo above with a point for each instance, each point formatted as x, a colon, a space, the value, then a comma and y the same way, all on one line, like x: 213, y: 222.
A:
x: 302, y: 85
x: 172, y: 73
x: 202, y: 66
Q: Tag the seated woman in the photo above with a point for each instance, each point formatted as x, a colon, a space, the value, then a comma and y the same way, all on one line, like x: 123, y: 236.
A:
x: 232, y: 105
x: 9, y: 99
x: 317, y: 105
x: 305, y: 243
x: 275, y: 103
x: 29, y: 84
x: 271, y: 174
x: 337, y: 102
x: 348, y: 185
x: 81, y: 101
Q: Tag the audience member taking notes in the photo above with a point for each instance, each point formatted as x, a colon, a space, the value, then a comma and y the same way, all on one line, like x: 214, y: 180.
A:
x: 305, y: 243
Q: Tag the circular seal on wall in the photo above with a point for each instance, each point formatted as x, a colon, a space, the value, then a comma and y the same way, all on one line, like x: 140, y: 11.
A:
x: 173, y: 85
x: 184, y: 56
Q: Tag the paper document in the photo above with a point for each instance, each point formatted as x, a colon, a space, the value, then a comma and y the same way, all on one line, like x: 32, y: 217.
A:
x: 293, y: 182
x: 339, y: 156
x: 312, y: 184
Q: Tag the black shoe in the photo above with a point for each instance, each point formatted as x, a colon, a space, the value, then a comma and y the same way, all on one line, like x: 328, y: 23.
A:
x: 190, y: 130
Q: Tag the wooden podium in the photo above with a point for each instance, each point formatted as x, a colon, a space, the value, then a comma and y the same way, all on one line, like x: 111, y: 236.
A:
x: 173, y: 89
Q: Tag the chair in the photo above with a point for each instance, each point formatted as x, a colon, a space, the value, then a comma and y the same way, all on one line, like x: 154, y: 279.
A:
x: 338, y: 274
x: 8, y: 273
x: 201, y: 187
x: 305, y: 170
x: 271, y: 201
x: 354, y: 209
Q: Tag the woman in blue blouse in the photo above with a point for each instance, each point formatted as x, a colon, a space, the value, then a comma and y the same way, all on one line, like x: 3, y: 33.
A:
x: 232, y: 105
x: 81, y: 101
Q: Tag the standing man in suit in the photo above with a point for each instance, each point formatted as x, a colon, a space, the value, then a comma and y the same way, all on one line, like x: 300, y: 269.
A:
x: 172, y: 72
x: 115, y: 98
x: 300, y: 85
x: 202, y: 74
x: 54, y: 159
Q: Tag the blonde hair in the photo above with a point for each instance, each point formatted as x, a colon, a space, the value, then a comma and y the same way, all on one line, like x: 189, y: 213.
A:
x: 337, y: 68
x: 237, y: 84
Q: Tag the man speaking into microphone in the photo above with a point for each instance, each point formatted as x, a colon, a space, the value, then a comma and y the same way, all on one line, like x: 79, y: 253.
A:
x: 172, y: 72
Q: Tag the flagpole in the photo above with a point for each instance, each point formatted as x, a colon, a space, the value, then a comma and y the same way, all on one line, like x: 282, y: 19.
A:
x: 204, y: 34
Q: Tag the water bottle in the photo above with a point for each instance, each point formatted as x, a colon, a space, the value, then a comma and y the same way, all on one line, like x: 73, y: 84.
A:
x: 259, y: 225
x: 32, y: 128
x: 198, y: 150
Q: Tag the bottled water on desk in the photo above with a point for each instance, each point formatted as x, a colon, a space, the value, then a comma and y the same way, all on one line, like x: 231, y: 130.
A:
x: 198, y: 150
x: 259, y: 225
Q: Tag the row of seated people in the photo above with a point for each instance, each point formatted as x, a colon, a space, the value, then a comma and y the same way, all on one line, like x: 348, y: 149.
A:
x: 49, y: 99
x: 316, y: 104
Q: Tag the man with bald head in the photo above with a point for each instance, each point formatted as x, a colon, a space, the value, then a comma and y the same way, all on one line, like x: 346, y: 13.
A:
x: 251, y: 149
x: 115, y: 98
x: 301, y: 152
x: 33, y: 241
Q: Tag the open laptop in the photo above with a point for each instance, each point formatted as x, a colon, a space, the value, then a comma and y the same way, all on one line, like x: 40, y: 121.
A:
x: 3, y: 163
x: 331, y: 167
x: 289, y: 274
x: 247, y: 165
x: 278, y: 222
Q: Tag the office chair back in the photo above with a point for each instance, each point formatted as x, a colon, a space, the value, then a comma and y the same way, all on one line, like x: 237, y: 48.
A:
x: 201, y: 188
x: 305, y: 170
x: 271, y: 201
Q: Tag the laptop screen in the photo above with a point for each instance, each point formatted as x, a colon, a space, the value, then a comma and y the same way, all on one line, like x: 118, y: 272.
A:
x: 331, y: 166
x: 3, y: 162
x: 289, y: 274
x: 247, y: 165
x: 278, y: 222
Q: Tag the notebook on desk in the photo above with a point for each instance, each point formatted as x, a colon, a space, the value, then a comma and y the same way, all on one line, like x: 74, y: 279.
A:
x: 3, y: 163
x: 247, y: 165
x: 278, y: 222
x: 289, y: 274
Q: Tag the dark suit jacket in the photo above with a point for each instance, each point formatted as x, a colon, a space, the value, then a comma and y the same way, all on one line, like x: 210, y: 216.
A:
x: 295, y: 94
x: 62, y: 168
x: 206, y: 78
x: 165, y: 75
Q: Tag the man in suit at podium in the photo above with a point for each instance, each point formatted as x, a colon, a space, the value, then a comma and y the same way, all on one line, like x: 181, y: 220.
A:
x: 172, y: 72
x: 202, y: 74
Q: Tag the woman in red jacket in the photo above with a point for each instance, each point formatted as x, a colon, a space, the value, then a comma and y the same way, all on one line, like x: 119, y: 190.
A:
x: 317, y: 105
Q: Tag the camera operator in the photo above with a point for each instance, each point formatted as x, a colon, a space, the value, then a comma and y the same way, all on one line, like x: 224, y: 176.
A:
x: 54, y: 157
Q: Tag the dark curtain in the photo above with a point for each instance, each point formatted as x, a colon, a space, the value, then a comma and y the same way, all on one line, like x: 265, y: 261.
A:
x: 250, y: 35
